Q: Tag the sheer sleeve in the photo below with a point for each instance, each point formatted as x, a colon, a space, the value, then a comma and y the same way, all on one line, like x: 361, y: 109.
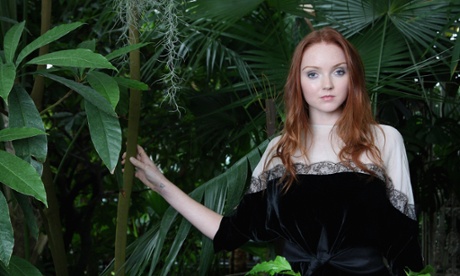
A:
x: 402, y: 247
x: 394, y: 156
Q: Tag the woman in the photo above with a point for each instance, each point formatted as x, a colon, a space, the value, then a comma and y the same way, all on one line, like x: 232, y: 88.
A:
x: 334, y: 186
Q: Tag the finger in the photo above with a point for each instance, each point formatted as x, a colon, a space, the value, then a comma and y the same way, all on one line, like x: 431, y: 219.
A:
x: 141, y: 151
x: 137, y: 163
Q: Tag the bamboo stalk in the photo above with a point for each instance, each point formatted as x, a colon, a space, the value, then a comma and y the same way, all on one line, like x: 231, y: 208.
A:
x: 124, y: 196
x: 51, y: 215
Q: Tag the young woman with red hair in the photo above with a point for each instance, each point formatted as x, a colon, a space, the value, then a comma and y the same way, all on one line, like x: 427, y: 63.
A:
x: 333, y: 189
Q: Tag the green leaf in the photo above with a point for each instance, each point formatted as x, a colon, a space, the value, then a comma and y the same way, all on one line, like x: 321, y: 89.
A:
x: 29, y: 216
x: 21, y: 267
x: 279, y: 265
x: 7, y: 75
x: 6, y: 232
x: 80, y: 58
x: 86, y: 92
x: 21, y: 176
x: 106, y: 135
x: 176, y: 245
x: 125, y: 50
x: 48, y: 37
x: 88, y: 44
x: 237, y: 176
x: 215, y: 198
x: 23, y: 113
x: 10, y: 134
x: 426, y: 271
x: 105, y: 85
x: 130, y: 83
x: 223, y: 10
x: 11, y: 41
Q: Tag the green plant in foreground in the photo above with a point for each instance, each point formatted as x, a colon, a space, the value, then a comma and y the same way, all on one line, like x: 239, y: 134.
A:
x: 277, y: 266
x: 426, y: 271
x: 281, y: 266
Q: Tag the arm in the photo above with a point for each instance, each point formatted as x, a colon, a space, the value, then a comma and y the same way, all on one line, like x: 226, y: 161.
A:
x: 403, y: 229
x: 203, y: 218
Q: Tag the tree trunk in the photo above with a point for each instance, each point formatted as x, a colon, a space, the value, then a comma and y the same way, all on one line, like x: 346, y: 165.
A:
x: 52, y: 222
x: 124, y: 196
x: 51, y: 215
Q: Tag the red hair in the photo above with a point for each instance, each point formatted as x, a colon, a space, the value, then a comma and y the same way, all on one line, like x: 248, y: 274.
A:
x: 354, y: 126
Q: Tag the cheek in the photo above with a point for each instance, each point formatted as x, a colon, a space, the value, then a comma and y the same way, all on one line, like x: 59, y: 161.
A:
x: 342, y: 87
x: 306, y: 91
x: 307, y: 87
x: 344, y: 93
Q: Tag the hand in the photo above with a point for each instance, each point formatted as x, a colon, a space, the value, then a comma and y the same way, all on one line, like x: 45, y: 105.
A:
x: 146, y: 171
x: 206, y: 220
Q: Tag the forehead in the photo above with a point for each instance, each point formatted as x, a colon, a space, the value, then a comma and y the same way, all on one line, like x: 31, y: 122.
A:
x: 323, y: 54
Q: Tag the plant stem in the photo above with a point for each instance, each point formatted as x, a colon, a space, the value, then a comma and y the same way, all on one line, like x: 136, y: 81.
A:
x: 133, y: 130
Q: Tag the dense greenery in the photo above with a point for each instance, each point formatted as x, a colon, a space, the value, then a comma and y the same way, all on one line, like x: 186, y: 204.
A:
x: 206, y: 128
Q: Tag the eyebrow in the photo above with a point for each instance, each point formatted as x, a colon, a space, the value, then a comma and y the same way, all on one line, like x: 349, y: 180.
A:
x: 316, y: 67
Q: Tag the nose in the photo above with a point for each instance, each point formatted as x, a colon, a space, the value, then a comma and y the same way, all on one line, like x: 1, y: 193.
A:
x: 327, y: 84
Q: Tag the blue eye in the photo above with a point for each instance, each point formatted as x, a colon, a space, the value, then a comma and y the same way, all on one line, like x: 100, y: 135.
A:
x: 312, y: 75
x: 340, y: 72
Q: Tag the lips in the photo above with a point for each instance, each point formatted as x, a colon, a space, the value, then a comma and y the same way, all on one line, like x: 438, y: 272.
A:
x: 328, y: 97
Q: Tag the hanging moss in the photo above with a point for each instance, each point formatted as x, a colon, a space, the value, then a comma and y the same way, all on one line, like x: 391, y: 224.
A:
x: 169, y: 15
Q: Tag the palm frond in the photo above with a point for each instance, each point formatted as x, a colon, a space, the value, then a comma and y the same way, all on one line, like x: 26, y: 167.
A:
x: 222, y: 10
x: 221, y: 194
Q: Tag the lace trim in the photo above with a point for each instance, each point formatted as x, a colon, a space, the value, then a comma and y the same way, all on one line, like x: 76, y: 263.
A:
x: 397, y: 198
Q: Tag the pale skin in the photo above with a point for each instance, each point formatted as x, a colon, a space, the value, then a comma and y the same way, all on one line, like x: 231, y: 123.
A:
x: 203, y: 218
x: 324, y: 81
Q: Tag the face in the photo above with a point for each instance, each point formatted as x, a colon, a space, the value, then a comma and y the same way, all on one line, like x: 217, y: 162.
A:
x: 324, y: 81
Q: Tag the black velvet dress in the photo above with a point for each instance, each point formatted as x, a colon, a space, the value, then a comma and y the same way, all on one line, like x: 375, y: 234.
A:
x: 335, y: 220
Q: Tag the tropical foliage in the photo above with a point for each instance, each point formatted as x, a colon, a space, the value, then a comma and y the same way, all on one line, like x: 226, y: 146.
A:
x: 227, y: 61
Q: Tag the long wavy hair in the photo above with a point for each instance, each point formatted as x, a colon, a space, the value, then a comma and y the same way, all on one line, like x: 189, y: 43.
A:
x: 354, y: 127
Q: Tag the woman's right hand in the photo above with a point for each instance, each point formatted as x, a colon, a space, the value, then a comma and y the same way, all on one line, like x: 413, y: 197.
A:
x: 146, y: 171
x: 204, y: 219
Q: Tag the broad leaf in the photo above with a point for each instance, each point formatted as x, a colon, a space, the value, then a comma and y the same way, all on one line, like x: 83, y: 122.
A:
x: 6, y: 232
x: 50, y: 36
x: 273, y: 267
x: 106, y: 135
x: 124, y: 50
x: 11, y: 41
x: 21, y: 267
x: 7, y: 75
x: 105, y: 85
x: 88, y: 44
x: 21, y: 176
x: 130, y: 83
x: 80, y: 58
x: 10, y: 134
x: 23, y: 113
x: 86, y: 92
